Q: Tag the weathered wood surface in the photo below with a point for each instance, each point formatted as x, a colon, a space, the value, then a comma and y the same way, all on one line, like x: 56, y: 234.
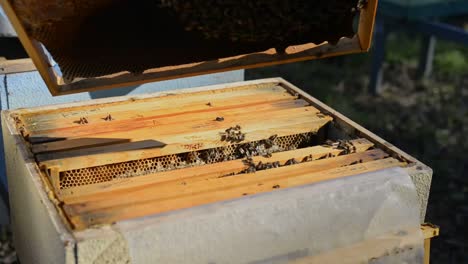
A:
x: 222, y: 189
x: 16, y: 66
x: 153, y: 106
x: 168, y: 124
x: 179, y: 182
x: 180, y: 143
x: 103, y: 190
x: 159, y: 129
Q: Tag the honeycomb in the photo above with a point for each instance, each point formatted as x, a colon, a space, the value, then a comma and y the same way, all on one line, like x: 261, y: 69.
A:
x: 106, y: 173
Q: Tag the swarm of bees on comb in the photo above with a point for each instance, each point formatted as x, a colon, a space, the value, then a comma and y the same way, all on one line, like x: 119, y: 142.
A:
x: 345, y: 145
x: 263, y: 147
x: 233, y: 135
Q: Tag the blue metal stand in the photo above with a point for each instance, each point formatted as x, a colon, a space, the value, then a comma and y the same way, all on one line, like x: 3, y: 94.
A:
x: 419, y: 18
x: 440, y: 30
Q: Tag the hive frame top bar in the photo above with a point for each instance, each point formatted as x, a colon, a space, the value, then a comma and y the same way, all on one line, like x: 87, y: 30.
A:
x: 57, y: 85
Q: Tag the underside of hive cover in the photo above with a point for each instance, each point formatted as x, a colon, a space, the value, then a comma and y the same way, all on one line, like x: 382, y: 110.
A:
x: 86, y: 45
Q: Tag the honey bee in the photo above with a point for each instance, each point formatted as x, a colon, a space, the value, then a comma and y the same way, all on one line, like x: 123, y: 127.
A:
x: 16, y: 119
x: 248, y: 161
x: 241, y: 137
x: 233, y: 135
x: 291, y: 162
x: 108, y: 118
x: 242, y: 151
x: 250, y: 169
x: 260, y: 166
x: 223, y: 137
x: 82, y: 121
x: 192, y: 157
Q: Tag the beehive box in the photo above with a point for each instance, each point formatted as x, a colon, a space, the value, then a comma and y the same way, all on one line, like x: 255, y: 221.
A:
x: 83, y: 168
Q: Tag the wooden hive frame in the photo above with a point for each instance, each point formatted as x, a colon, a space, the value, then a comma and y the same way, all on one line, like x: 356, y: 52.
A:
x: 359, y: 43
x: 108, y: 135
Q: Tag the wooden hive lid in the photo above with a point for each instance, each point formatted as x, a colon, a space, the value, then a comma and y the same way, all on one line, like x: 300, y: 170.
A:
x: 86, y: 45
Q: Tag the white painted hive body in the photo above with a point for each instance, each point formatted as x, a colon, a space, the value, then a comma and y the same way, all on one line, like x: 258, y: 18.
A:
x: 164, y: 176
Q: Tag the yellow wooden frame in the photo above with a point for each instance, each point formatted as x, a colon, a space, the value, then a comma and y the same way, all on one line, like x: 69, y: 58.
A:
x: 359, y: 43
x: 429, y: 231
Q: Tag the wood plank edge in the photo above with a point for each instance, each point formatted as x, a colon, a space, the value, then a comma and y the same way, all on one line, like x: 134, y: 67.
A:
x: 149, y: 208
x: 179, y: 187
x: 72, y: 163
